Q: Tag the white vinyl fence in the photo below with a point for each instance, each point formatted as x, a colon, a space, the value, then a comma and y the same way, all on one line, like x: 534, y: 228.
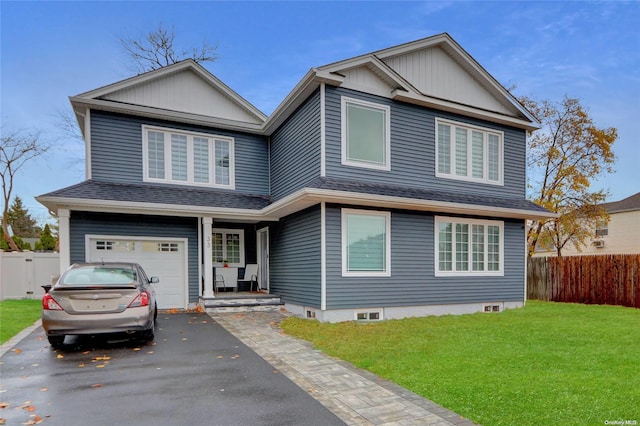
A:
x: 22, y: 274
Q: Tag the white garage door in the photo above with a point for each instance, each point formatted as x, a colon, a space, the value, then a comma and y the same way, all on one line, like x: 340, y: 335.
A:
x: 162, y: 258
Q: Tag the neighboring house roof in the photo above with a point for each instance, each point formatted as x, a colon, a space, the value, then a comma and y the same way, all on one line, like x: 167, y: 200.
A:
x: 177, y: 200
x: 628, y: 204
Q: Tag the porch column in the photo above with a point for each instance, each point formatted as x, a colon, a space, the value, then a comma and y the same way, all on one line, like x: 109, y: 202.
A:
x: 208, y: 258
x: 64, y: 241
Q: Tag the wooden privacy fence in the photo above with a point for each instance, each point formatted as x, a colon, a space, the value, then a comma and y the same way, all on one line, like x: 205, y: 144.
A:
x: 603, y: 279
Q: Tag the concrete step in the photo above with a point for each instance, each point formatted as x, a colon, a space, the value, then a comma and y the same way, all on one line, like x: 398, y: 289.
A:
x: 239, y: 302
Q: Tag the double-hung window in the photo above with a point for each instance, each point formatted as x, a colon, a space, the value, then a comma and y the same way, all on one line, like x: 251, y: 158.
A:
x: 366, y: 243
x: 188, y: 158
x: 366, y: 134
x: 468, y: 152
x: 468, y: 247
x: 228, y: 247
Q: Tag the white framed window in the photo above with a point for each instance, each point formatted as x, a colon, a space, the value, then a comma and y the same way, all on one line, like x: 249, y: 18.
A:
x: 188, y: 158
x: 366, y: 134
x: 468, y: 152
x: 366, y: 243
x: 228, y: 247
x: 468, y: 247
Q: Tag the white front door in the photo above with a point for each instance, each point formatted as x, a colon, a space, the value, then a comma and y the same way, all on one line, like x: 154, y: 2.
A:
x: 159, y: 257
x: 263, y: 258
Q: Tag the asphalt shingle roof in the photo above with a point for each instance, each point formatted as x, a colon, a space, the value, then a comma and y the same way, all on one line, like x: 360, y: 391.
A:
x: 626, y: 204
x: 161, y: 194
x: 423, y: 194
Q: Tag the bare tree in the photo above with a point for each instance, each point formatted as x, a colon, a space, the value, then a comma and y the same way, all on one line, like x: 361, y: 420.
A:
x: 157, y: 49
x: 16, y: 149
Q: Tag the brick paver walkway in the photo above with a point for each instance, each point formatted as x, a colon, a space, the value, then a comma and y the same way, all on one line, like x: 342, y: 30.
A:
x: 356, y: 396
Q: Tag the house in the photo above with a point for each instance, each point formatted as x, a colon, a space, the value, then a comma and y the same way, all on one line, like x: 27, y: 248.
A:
x: 387, y: 185
x: 620, y: 234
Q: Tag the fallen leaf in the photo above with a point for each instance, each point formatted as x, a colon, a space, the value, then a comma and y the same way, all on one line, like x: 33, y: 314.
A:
x: 4, y: 404
x: 17, y: 351
x: 59, y: 356
x: 100, y: 358
x: 43, y: 389
x: 100, y: 366
x: 221, y: 390
x: 85, y: 352
x: 81, y: 365
x: 136, y: 349
x: 3, y: 421
x: 30, y: 408
x: 220, y: 357
x: 97, y: 385
x: 150, y: 352
x: 184, y: 338
x: 40, y: 338
x: 275, y: 371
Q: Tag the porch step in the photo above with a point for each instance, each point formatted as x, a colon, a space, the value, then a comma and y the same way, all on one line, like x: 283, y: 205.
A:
x: 241, y: 303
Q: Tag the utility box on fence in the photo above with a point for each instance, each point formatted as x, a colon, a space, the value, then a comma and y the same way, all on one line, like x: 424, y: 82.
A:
x: 23, y: 273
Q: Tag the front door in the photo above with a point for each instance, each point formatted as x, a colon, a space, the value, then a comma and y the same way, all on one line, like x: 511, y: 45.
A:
x: 263, y: 258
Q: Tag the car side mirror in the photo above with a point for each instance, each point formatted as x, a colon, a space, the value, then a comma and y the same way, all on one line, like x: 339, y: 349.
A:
x: 154, y: 280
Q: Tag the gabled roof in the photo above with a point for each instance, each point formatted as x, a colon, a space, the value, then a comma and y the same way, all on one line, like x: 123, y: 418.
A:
x: 435, y: 72
x: 630, y: 203
x: 182, y: 91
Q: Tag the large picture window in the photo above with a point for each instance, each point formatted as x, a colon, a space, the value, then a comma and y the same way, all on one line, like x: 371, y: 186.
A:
x: 468, y: 247
x: 228, y: 247
x: 366, y: 243
x: 187, y: 158
x: 365, y: 134
x: 468, y: 153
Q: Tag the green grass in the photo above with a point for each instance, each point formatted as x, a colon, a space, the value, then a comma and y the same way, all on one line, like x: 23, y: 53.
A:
x: 548, y: 363
x: 16, y: 315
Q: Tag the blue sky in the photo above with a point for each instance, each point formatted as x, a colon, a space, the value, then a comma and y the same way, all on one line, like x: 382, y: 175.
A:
x: 53, y: 50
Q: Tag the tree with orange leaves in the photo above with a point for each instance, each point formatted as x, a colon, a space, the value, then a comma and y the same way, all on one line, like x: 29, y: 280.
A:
x: 563, y: 158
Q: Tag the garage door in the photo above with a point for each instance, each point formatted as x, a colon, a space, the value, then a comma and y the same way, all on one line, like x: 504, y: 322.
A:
x: 165, y: 259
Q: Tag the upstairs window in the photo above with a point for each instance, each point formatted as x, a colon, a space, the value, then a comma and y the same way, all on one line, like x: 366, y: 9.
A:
x: 468, y: 153
x: 187, y: 158
x: 365, y: 134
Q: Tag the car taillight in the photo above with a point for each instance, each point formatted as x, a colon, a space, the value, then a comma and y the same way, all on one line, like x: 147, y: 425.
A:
x: 50, y: 304
x: 141, y: 299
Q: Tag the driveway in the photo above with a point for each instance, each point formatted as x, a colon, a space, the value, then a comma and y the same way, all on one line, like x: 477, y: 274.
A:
x: 194, y: 373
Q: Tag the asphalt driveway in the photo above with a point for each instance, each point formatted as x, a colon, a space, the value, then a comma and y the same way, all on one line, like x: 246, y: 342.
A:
x: 194, y: 373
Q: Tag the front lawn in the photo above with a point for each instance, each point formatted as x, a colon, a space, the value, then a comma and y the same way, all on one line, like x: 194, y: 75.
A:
x: 548, y: 363
x: 16, y: 315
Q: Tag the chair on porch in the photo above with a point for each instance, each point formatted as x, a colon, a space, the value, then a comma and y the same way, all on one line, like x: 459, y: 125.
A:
x: 226, y: 278
x: 251, y: 276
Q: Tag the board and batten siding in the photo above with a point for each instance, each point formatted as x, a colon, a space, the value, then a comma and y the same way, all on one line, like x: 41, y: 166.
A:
x: 294, y: 258
x: 413, y: 281
x: 413, y: 145
x: 83, y: 223
x: 116, y: 151
x: 295, y: 149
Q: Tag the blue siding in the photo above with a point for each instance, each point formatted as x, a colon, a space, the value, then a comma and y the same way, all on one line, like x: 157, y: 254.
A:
x: 83, y: 223
x: 116, y: 151
x: 413, y: 280
x: 295, y: 149
x: 413, y: 149
x: 294, y: 258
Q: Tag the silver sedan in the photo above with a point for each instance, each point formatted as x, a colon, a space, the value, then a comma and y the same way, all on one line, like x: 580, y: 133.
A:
x: 95, y: 298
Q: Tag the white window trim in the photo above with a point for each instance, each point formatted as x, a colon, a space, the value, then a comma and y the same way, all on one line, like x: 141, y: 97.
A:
x: 470, y: 222
x: 167, y: 165
x: 224, y: 232
x: 343, y: 125
x: 469, y: 177
x: 345, y: 269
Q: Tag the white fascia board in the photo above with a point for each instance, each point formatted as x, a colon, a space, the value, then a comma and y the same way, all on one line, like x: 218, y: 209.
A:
x: 167, y: 115
x: 310, y: 82
x: 310, y: 196
x: 109, y: 206
x: 441, y: 104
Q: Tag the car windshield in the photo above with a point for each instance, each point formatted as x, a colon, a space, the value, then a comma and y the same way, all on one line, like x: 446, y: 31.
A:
x: 100, y: 276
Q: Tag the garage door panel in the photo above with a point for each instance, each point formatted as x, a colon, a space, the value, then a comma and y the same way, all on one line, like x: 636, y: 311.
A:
x: 164, y: 259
